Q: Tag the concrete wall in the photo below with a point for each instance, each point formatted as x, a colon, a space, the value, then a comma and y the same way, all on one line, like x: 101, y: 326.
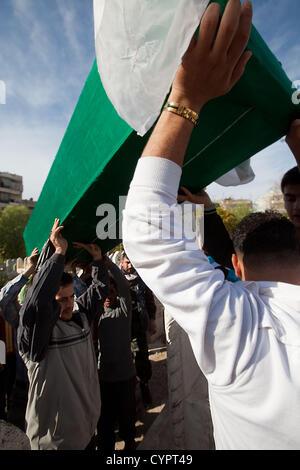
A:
x: 14, y: 266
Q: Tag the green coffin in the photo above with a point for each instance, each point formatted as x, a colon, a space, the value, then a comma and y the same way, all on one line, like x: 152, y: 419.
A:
x: 98, y: 154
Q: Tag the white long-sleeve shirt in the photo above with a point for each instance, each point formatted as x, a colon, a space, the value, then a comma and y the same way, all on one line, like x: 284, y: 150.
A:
x: 245, y: 336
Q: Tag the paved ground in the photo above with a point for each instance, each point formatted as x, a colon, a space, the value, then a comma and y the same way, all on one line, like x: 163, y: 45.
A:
x: 12, y: 438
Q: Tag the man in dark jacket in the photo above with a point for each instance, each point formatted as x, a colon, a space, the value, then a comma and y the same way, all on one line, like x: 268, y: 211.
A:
x: 56, y: 345
x: 143, y: 320
x: 116, y: 366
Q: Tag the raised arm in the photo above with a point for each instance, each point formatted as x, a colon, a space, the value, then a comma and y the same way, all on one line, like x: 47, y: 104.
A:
x: 9, y: 306
x: 122, y: 283
x: 217, y: 242
x: 40, y: 311
x: 92, y: 300
x: 173, y: 267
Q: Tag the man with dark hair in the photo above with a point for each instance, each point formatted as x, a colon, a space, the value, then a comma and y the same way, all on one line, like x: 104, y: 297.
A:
x: 245, y: 335
x: 290, y: 183
x: 55, y: 343
x: 290, y: 187
x: 292, y: 177
x: 263, y: 241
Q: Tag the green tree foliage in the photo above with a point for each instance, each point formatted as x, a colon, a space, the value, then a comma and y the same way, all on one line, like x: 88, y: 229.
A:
x: 229, y: 219
x: 13, y: 220
x: 116, y: 248
x: 240, y: 211
x: 232, y: 217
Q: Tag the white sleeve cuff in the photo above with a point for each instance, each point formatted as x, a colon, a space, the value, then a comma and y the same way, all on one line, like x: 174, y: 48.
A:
x: 157, y: 173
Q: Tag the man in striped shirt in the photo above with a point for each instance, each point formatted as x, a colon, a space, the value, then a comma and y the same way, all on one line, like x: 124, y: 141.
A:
x: 56, y: 345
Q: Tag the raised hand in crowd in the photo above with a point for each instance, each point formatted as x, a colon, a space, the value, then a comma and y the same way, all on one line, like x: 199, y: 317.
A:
x: 59, y: 242
x: 93, y: 249
x: 33, y: 257
x: 32, y: 262
x: 219, y: 61
x: 200, y: 197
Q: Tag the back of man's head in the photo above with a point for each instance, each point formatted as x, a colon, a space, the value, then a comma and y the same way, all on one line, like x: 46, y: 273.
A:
x: 266, y: 240
x: 292, y: 176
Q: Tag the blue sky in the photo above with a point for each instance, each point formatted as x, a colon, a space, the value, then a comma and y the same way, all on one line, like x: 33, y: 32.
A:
x: 47, y: 50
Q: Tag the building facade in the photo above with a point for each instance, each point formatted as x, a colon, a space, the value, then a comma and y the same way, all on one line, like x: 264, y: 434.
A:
x: 230, y: 203
x: 11, y: 190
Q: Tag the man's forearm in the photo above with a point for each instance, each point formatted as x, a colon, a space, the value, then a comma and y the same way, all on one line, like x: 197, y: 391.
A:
x: 170, y: 138
x: 45, y: 283
x: 29, y: 271
x: 122, y: 283
x: 172, y: 133
x: 92, y: 300
x: 217, y: 242
x: 9, y: 309
x: 40, y: 311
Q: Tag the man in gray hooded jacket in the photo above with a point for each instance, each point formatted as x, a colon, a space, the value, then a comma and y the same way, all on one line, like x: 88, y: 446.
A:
x: 56, y: 345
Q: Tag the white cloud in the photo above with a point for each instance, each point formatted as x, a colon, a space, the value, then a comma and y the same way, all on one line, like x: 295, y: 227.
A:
x: 72, y: 28
x: 23, y: 9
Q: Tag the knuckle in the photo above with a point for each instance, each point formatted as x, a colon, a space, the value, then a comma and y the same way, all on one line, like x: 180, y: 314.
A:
x: 208, y: 24
x: 243, y: 37
x: 229, y: 31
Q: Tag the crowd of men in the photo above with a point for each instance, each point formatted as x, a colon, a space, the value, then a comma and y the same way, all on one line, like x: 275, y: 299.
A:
x: 65, y: 379
x: 245, y: 335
